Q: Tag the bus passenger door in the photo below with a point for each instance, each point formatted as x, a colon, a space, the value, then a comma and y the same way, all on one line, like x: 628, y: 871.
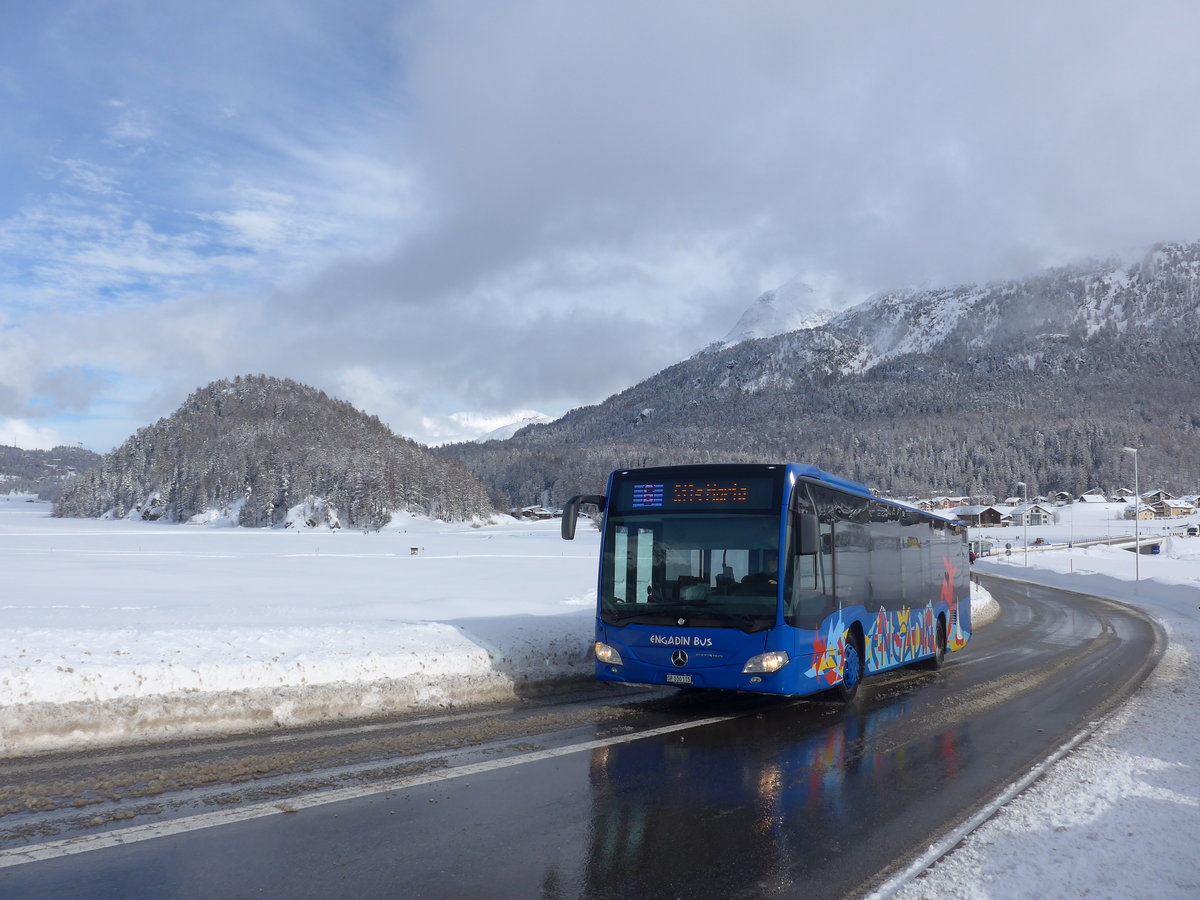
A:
x: 808, y: 593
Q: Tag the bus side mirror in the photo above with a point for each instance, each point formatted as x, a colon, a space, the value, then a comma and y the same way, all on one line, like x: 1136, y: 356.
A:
x: 809, y: 541
x: 570, y: 513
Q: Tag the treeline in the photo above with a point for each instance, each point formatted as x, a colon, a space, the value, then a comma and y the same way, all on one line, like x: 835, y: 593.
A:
x: 42, y: 472
x: 261, y: 446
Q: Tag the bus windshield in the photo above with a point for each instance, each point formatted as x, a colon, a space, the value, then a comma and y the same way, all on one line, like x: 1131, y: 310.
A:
x: 692, y: 570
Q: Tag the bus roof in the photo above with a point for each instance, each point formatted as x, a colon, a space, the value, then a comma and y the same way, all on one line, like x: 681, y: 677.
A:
x: 804, y: 470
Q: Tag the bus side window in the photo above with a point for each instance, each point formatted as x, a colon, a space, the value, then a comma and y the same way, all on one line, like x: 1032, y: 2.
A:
x: 852, y: 568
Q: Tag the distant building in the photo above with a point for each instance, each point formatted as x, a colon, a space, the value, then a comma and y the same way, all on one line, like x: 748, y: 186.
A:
x: 536, y: 512
x: 1158, y: 496
x: 1092, y: 496
x: 1033, y: 514
x: 1171, y: 509
x: 1144, y: 512
x: 978, y: 515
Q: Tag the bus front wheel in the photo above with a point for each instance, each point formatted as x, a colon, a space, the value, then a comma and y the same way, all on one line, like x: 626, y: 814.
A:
x: 852, y: 669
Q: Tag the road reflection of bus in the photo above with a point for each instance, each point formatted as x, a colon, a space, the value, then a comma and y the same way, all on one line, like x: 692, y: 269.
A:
x: 739, y: 809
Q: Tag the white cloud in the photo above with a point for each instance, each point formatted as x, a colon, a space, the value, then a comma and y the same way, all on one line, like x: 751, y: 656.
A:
x: 27, y: 436
x: 434, y: 208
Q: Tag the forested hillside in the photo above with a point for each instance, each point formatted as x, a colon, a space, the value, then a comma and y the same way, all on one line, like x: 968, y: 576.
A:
x: 965, y: 390
x: 42, y: 472
x: 257, y: 447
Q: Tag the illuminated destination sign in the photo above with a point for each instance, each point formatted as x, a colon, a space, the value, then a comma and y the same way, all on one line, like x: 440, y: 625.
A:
x: 685, y: 494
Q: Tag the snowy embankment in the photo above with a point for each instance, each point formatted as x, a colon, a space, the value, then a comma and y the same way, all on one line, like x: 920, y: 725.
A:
x: 1119, y: 815
x: 121, y: 631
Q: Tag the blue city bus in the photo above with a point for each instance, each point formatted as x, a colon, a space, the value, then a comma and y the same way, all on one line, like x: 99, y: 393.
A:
x: 774, y: 579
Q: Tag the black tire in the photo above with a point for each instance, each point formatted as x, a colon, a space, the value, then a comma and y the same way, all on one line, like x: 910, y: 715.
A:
x: 939, y: 657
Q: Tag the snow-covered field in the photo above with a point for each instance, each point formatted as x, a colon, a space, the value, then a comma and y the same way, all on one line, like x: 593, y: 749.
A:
x: 122, y: 629
x: 115, y: 630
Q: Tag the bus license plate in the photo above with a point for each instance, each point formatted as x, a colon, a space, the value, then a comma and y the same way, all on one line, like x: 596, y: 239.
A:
x: 679, y: 679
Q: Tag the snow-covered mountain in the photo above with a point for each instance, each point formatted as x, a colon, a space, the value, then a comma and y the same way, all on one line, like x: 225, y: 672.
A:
x: 793, y: 306
x: 964, y: 389
x: 504, y: 432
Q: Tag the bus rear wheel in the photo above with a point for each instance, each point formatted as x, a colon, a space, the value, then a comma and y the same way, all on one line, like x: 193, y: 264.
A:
x: 939, y: 656
x: 852, y: 669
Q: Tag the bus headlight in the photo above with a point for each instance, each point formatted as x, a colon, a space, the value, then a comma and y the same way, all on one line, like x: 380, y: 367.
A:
x: 766, y: 662
x: 608, y: 655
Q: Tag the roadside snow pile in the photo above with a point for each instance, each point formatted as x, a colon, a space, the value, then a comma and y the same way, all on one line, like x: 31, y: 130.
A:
x: 984, y: 608
x: 119, y: 631
x: 1118, y: 815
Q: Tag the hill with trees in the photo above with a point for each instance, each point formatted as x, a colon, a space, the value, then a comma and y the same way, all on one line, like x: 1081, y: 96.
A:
x: 257, y: 448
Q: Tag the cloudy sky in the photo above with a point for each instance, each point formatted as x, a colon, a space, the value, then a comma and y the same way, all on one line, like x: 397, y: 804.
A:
x: 449, y: 212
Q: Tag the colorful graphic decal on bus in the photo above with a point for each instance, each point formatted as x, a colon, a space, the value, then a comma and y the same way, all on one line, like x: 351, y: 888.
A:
x: 827, y: 654
x: 957, y: 637
x: 900, y: 636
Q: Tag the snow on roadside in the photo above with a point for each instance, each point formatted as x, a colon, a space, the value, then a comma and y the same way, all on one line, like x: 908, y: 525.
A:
x: 124, y: 631
x: 121, y: 631
x: 1119, y: 814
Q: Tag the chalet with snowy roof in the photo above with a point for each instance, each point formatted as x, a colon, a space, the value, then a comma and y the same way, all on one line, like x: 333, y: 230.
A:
x: 1061, y: 498
x: 536, y: 512
x: 1171, y: 509
x: 1158, y: 496
x: 941, y: 503
x: 1033, y: 514
x: 1124, y: 494
x: 1144, y: 512
x: 1092, y: 496
x: 978, y: 515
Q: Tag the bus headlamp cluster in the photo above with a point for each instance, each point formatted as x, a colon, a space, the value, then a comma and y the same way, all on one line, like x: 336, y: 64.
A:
x: 771, y: 661
x: 608, y: 655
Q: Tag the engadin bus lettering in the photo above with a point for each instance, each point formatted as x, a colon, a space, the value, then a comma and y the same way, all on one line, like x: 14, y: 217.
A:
x: 679, y: 640
x: 798, y: 580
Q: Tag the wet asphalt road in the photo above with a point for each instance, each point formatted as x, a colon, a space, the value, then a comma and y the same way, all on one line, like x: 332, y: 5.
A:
x: 774, y: 798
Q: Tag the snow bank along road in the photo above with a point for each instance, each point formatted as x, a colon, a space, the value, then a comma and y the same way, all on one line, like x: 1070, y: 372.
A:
x: 118, y: 632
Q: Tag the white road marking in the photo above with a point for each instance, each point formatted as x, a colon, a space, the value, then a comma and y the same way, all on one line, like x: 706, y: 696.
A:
x: 53, y: 849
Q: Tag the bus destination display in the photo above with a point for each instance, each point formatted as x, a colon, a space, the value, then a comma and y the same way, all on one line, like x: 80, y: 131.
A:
x: 699, y: 493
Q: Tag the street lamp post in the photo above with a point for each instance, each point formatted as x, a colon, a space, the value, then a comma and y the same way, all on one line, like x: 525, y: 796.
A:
x: 1025, y: 516
x: 1137, y: 516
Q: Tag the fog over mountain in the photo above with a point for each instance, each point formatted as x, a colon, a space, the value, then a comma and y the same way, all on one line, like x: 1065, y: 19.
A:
x: 793, y: 306
x: 966, y: 389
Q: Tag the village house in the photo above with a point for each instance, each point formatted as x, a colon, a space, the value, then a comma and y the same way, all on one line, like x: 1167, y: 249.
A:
x: 1092, y: 496
x: 1033, y: 514
x: 1171, y: 509
x: 1158, y: 496
x: 1145, y: 511
x: 978, y: 515
x: 536, y: 512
